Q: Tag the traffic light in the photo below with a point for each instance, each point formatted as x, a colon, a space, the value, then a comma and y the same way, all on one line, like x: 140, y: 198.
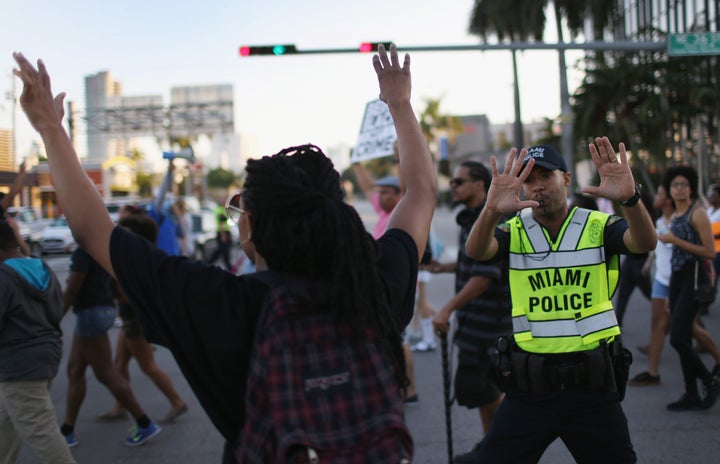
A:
x: 367, y: 47
x: 277, y: 50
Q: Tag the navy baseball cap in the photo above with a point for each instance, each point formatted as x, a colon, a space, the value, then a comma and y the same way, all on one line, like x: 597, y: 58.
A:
x: 389, y: 181
x: 547, y: 157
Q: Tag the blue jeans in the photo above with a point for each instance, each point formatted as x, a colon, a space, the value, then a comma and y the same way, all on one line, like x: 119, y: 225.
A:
x: 94, y: 321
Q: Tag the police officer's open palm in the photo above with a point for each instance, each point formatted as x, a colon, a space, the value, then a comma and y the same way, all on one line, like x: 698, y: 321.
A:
x: 394, y: 79
x: 504, y: 192
x: 616, y: 179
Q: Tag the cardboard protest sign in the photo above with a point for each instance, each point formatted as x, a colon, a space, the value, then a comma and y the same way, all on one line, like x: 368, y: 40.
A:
x: 377, y: 134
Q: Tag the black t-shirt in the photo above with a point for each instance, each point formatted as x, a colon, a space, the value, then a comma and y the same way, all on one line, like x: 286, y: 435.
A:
x: 207, y: 316
x: 96, y: 289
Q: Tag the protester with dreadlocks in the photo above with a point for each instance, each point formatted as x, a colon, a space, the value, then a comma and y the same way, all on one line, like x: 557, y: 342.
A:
x: 291, y: 220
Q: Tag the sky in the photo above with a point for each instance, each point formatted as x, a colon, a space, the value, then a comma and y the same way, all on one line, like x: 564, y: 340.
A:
x: 152, y: 45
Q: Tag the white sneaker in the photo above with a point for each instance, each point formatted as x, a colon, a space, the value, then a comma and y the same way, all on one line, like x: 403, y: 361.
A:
x: 422, y: 347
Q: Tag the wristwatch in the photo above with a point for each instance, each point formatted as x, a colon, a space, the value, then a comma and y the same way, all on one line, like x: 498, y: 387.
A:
x: 634, y: 199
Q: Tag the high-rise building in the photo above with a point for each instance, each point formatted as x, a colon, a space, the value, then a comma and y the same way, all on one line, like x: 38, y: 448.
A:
x: 7, y: 157
x: 98, y: 88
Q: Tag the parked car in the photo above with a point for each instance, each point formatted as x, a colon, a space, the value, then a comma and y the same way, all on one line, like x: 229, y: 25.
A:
x: 202, y: 238
x: 57, y: 237
x: 30, y: 226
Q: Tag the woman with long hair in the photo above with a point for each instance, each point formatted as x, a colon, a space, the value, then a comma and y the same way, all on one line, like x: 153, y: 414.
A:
x: 292, y: 220
x: 690, y: 234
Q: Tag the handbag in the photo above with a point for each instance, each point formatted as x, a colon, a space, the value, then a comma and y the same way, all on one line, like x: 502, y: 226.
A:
x: 704, y: 282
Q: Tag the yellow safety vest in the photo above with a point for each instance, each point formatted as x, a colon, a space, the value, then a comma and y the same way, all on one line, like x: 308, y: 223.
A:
x: 221, y: 219
x: 561, y: 291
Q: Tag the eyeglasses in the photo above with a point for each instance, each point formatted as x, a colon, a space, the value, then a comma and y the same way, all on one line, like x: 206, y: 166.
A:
x: 679, y: 185
x: 232, y: 207
x: 458, y: 181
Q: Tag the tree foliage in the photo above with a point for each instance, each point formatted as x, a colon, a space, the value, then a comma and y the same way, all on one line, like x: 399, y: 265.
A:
x: 220, y: 178
x: 666, y: 109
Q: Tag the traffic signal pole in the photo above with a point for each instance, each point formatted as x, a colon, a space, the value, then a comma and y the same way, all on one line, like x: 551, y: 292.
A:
x: 368, y: 47
x: 253, y: 50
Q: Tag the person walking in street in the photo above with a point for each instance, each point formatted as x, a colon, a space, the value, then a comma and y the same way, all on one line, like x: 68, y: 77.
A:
x: 660, y: 311
x: 131, y: 342
x: 691, y: 236
x: 558, y: 366
x: 713, y: 210
x: 481, y: 304
x: 88, y: 292
x: 292, y: 219
x: 30, y: 351
x: 6, y: 200
x: 632, y: 274
x: 223, y: 238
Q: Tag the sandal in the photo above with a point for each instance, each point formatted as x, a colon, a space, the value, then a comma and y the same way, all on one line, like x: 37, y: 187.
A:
x: 174, y: 414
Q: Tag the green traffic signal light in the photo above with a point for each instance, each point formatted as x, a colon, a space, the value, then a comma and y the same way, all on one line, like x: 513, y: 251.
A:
x: 277, y: 50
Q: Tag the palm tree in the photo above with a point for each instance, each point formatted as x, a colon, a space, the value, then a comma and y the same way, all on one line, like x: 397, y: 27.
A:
x: 524, y: 20
x: 434, y: 124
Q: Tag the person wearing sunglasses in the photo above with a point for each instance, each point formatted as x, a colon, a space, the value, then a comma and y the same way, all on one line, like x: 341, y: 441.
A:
x: 291, y: 218
x: 481, y: 305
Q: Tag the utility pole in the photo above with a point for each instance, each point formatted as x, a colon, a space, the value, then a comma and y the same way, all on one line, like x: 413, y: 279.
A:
x: 518, y: 139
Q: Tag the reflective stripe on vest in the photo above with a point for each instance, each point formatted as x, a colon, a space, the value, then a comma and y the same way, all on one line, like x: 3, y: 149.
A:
x: 566, y: 327
x: 561, y: 291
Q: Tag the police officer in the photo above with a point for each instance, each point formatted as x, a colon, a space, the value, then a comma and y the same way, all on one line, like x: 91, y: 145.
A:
x: 559, y: 364
x: 223, y: 238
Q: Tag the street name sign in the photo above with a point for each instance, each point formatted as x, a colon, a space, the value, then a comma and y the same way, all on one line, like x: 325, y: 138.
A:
x: 694, y: 44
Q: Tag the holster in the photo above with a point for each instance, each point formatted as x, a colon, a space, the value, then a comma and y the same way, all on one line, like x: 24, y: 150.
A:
x: 621, y: 360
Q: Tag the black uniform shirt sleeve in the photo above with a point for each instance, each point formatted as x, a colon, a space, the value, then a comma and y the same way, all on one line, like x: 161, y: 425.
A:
x: 204, y: 315
x: 614, y: 232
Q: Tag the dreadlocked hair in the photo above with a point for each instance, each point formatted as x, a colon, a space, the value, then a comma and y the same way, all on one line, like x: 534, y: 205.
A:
x: 302, y: 226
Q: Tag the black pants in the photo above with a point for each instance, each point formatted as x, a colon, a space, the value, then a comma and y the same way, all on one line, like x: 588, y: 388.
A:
x: 683, y: 311
x: 224, y: 241
x: 631, y: 276
x: 591, y: 424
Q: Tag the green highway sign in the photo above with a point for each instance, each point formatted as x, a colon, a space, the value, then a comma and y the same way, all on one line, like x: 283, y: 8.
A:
x: 693, y: 44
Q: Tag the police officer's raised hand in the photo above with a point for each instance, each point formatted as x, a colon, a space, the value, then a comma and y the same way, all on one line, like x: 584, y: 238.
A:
x: 616, y: 179
x: 504, y: 192
x: 394, y: 79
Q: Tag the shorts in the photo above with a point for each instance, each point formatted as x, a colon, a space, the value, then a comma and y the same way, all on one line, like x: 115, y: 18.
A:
x: 476, y: 379
x: 94, y: 321
x: 424, y: 276
x: 133, y: 329
x: 660, y: 291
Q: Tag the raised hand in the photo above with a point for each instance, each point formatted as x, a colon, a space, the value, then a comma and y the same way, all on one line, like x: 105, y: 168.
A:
x: 504, y: 192
x: 395, y: 81
x: 37, y: 100
x: 616, y: 179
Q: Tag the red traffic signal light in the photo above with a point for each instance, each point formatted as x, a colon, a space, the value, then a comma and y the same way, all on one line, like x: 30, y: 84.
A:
x: 367, y: 47
x: 277, y: 50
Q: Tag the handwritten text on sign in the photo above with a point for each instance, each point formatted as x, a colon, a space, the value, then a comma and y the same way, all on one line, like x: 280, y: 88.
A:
x: 377, y: 133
